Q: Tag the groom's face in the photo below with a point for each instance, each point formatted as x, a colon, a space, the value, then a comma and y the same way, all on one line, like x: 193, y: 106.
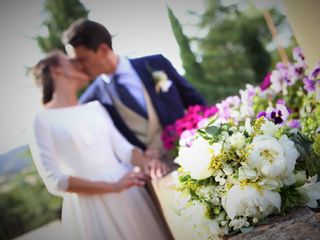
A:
x: 91, y: 62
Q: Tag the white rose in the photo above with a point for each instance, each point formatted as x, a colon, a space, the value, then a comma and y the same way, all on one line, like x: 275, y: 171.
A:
x: 269, y: 128
x: 197, y: 158
x: 249, y: 202
x: 311, y: 190
x: 237, y: 140
x: 273, y: 158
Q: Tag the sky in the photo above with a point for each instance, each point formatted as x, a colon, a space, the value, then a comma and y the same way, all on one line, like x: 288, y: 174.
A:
x: 141, y: 28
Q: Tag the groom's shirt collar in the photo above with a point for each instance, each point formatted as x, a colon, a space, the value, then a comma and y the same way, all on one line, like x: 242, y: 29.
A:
x: 123, y: 67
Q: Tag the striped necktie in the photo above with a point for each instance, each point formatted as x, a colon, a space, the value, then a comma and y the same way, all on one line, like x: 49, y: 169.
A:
x: 126, y: 97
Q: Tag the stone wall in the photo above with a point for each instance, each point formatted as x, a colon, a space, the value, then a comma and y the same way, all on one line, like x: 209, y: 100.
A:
x: 301, y: 223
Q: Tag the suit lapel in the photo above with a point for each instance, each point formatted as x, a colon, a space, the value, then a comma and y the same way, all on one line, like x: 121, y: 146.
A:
x: 146, y: 78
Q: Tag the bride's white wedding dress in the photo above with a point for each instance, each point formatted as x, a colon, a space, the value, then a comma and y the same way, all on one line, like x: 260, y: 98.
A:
x: 82, y: 141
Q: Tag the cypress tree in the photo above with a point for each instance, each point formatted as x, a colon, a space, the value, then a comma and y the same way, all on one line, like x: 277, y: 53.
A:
x: 193, y: 70
x: 60, y: 14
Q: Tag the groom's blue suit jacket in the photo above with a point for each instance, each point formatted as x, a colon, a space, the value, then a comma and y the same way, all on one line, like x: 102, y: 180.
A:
x: 169, y: 105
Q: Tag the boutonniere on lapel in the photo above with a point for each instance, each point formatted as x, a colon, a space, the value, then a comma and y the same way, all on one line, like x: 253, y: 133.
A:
x: 162, y: 83
x: 160, y: 79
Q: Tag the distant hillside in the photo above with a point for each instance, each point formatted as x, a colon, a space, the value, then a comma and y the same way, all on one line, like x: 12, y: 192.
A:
x: 15, y: 160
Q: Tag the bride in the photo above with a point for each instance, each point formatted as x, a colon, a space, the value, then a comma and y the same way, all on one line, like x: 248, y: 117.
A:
x: 85, y: 160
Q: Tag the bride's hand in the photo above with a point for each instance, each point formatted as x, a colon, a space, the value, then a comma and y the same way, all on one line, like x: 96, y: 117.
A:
x: 131, y: 179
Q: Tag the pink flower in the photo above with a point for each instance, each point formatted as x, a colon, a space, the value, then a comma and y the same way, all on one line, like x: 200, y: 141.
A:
x: 266, y: 82
x: 189, y: 121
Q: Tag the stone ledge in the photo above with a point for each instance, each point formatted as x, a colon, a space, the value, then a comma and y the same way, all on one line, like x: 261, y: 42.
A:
x: 300, y: 223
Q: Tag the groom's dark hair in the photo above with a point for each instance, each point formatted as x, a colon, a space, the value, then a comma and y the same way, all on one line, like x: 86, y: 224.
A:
x: 87, y: 33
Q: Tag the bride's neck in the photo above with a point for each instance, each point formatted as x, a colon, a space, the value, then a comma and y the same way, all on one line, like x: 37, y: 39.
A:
x: 63, y: 97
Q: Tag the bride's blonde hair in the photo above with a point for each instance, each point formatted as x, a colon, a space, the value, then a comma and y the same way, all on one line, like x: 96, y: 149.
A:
x: 42, y: 74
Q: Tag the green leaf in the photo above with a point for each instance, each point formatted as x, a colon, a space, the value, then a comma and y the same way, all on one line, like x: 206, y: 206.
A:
x: 213, y: 130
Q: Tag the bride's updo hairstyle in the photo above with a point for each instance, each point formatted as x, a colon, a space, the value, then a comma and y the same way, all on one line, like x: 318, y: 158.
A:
x: 42, y: 74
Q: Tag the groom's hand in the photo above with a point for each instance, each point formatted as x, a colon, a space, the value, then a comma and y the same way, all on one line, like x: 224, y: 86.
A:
x: 149, y: 162
x: 155, y: 168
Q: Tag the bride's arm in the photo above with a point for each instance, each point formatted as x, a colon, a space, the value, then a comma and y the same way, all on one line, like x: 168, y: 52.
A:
x: 46, y: 157
x: 82, y: 186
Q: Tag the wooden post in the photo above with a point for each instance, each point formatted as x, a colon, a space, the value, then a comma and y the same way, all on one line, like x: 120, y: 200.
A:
x: 274, y: 33
x: 304, y: 19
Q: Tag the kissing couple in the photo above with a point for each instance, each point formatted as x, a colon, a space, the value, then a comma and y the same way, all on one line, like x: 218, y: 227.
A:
x: 97, y: 151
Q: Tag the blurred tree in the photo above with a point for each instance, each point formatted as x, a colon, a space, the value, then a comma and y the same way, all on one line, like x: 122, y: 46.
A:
x: 193, y: 70
x: 258, y: 57
x: 25, y: 204
x: 60, y: 14
x: 233, y: 51
x: 224, y: 56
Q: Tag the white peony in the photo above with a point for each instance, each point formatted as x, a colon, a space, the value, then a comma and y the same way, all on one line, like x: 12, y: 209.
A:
x: 273, y: 158
x: 197, y: 158
x: 249, y: 202
x: 245, y: 172
x: 270, y: 184
x: 195, y: 218
x: 311, y: 190
x: 237, y: 140
x: 269, y: 128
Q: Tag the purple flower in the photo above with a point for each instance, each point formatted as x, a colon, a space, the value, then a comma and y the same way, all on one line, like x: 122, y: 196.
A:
x: 266, y: 82
x: 278, y: 115
x: 261, y: 114
x: 187, y: 138
x: 315, y: 72
x: 298, y: 55
x: 247, y: 95
x: 294, y: 123
x: 309, y: 85
x: 281, y: 101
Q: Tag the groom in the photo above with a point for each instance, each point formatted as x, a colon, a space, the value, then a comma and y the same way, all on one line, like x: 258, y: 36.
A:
x: 142, y: 95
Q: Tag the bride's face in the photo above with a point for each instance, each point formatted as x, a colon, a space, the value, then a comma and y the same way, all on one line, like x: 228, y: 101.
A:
x: 73, y: 73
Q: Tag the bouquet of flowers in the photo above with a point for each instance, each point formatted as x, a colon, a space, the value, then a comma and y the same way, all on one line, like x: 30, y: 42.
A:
x: 259, y: 156
x: 233, y: 175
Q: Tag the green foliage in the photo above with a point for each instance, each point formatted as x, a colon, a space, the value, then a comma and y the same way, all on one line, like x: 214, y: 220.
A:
x: 309, y: 151
x: 258, y: 58
x: 60, y: 14
x: 193, y: 70
x: 232, y: 53
x: 25, y: 204
x: 310, y: 117
x: 290, y: 198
